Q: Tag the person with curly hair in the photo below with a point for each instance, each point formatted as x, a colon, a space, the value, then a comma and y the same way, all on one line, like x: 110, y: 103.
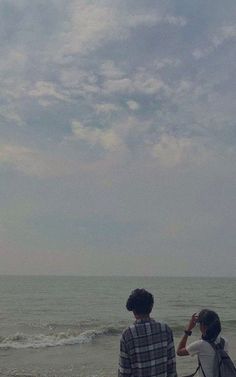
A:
x: 146, y: 347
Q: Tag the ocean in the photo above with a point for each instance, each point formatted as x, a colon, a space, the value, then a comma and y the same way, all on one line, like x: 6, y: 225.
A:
x: 70, y: 326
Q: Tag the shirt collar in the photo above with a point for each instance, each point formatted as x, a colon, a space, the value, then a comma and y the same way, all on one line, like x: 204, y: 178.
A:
x: 143, y: 320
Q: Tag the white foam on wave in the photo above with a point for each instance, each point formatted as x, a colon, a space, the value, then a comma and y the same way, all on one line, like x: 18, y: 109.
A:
x: 21, y: 341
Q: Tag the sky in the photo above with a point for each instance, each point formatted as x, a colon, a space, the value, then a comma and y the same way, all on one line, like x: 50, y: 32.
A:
x: 118, y: 137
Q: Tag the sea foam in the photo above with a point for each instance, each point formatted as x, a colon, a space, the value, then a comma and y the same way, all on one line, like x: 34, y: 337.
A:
x: 21, y: 340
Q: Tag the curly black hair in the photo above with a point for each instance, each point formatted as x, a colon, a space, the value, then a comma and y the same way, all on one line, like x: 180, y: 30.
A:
x: 140, y: 301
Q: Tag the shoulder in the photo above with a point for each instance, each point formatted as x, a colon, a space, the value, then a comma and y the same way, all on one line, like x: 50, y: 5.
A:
x: 161, y: 325
x: 198, y: 347
x: 139, y: 329
x: 226, y: 347
x: 167, y: 328
x: 163, y: 329
x: 130, y: 332
x: 225, y: 342
x: 127, y: 333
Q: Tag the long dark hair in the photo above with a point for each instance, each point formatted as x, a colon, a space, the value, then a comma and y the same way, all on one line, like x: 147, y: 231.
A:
x: 211, y: 320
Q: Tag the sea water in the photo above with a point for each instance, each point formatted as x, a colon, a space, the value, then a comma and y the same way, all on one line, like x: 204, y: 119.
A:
x: 70, y: 326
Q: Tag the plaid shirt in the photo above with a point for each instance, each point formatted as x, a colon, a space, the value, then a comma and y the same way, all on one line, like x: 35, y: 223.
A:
x: 147, y: 350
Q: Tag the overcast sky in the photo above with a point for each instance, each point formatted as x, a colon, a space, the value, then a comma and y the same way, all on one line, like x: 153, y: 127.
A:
x: 118, y: 137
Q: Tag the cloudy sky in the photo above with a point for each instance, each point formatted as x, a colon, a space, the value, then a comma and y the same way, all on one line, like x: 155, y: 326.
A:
x: 118, y: 137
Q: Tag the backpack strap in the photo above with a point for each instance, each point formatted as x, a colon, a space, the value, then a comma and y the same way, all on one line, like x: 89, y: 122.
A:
x: 220, y: 345
x: 193, y: 374
x: 196, y: 370
x: 216, y: 347
x: 200, y: 366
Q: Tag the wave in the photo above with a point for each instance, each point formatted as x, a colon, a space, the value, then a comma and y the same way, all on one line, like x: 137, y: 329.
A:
x: 226, y: 324
x: 231, y: 323
x: 22, y: 341
x: 74, y: 336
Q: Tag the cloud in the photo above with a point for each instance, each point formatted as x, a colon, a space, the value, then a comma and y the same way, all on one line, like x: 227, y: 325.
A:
x: 173, y: 151
x: 174, y: 20
x: 14, y: 61
x: 148, y: 85
x: 133, y: 105
x: 109, y: 140
x: 90, y: 25
x: 124, y: 85
x: 141, y: 82
x: 154, y: 18
x: 151, y: 127
x: 45, y: 89
x: 110, y: 70
x: 224, y: 34
x: 166, y: 62
x: 199, y: 53
x: 106, y: 108
x: 10, y: 115
x: 95, y: 24
x: 33, y: 163
x: 77, y: 81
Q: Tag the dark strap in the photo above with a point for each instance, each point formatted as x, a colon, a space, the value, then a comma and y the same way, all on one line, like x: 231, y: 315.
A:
x: 216, y: 346
x: 220, y: 345
x: 193, y: 374
x: 200, y: 366
x: 196, y: 370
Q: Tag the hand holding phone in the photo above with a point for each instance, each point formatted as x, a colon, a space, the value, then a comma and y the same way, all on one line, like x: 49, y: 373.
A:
x: 192, y: 322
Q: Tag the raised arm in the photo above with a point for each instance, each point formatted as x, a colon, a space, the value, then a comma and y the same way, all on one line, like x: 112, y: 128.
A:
x: 181, y: 349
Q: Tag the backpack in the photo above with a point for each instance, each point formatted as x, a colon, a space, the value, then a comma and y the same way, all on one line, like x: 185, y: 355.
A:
x: 223, y: 365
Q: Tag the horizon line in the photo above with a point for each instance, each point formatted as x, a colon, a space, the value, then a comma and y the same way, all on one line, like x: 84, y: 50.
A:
x: 117, y: 276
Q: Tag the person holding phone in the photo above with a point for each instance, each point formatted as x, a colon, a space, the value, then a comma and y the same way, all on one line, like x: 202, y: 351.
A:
x: 210, y: 328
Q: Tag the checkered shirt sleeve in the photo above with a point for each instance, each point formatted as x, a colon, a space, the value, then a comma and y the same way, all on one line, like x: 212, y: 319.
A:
x: 171, y: 359
x: 124, y: 362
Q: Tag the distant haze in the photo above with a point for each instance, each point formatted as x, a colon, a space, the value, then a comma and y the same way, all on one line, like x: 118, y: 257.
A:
x: 118, y: 137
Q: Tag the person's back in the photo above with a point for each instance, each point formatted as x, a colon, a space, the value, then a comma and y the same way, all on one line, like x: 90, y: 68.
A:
x: 146, y: 347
